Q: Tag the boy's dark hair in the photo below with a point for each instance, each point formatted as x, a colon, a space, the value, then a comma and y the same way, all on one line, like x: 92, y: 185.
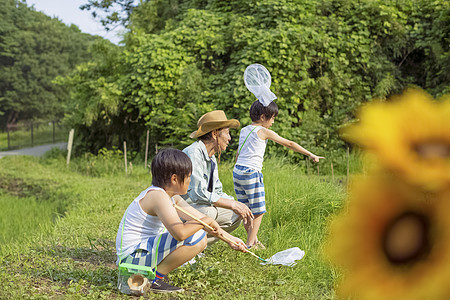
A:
x: 168, y: 162
x: 257, y: 109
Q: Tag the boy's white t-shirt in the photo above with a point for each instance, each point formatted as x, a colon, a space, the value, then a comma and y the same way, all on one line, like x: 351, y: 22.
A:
x: 139, y: 226
x: 252, y: 153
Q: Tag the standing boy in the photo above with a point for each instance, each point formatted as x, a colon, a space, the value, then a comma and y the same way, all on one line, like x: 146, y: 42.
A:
x: 247, y: 176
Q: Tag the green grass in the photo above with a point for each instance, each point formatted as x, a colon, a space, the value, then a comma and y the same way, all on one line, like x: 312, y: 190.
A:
x: 22, y: 217
x: 41, y: 135
x: 73, y: 256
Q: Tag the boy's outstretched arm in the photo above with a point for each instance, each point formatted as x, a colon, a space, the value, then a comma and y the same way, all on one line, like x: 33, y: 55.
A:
x: 265, y: 133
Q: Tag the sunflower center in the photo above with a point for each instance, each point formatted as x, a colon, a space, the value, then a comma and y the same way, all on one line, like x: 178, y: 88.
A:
x: 406, y: 239
x: 433, y: 149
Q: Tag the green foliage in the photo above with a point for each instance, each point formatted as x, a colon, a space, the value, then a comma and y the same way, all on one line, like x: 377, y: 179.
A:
x: 106, y: 163
x: 326, y: 58
x: 158, y: 79
x: 54, y: 153
x: 34, y: 49
x: 96, y: 110
x: 117, y: 11
x: 93, y: 86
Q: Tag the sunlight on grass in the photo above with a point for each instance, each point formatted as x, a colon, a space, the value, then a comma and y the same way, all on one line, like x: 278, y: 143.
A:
x: 22, y: 217
x: 78, y: 250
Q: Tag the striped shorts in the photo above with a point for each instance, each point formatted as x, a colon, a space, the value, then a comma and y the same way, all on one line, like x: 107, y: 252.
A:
x: 146, y: 250
x: 249, y: 188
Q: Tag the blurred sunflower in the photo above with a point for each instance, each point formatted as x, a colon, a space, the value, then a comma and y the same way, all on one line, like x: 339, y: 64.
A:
x: 392, y: 243
x: 410, y: 135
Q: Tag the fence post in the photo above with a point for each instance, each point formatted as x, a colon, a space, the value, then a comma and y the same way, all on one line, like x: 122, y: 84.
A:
x: 69, y: 146
x: 32, y: 137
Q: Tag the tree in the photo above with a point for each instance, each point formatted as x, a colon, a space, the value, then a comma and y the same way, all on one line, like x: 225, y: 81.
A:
x: 326, y: 58
x: 34, y: 49
x: 113, y: 12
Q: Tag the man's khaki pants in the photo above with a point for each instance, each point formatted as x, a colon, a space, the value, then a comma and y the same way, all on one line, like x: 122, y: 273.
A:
x: 226, y: 218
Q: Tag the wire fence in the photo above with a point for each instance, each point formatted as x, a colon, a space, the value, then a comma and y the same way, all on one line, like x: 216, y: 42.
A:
x: 32, y: 133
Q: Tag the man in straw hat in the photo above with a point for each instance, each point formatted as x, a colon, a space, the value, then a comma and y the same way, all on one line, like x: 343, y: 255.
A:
x: 205, y: 191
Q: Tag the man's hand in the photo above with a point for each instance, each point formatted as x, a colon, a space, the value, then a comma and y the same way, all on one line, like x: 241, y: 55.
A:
x: 244, y: 212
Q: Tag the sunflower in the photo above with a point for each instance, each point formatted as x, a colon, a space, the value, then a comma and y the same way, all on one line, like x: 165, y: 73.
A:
x: 410, y: 135
x: 393, y: 242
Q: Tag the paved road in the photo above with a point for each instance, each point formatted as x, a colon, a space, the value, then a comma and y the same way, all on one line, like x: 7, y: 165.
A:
x: 34, y: 151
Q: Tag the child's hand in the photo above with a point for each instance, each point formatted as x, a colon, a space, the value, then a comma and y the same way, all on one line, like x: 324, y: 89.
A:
x: 316, y: 158
x: 214, y: 232
x: 212, y: 224
x: 238, y: 244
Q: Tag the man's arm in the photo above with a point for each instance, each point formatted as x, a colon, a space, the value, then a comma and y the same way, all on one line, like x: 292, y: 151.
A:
x: 238, y: 208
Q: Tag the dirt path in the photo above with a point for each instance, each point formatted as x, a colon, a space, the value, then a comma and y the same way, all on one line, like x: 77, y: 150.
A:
x: 34, y: 151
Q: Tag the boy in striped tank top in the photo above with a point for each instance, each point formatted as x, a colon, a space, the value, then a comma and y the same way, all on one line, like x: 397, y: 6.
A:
x: 247, y: 176
x: 154, y: 234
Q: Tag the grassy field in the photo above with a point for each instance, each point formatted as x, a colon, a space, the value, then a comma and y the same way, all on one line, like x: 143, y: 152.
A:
x: 59, y: 225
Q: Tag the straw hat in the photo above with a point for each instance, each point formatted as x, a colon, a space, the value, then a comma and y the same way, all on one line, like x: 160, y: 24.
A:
x: 212, y: 120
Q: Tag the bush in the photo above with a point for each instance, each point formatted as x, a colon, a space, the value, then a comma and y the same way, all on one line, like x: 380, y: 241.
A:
x: 106, y: 163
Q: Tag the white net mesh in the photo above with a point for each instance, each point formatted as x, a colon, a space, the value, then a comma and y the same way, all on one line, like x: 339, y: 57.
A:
x: 286, y: 257
x: 257, y: 80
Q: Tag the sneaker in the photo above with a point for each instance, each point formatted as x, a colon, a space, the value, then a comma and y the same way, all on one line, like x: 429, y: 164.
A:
x: 257, y: 246
x: 159, y: 286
